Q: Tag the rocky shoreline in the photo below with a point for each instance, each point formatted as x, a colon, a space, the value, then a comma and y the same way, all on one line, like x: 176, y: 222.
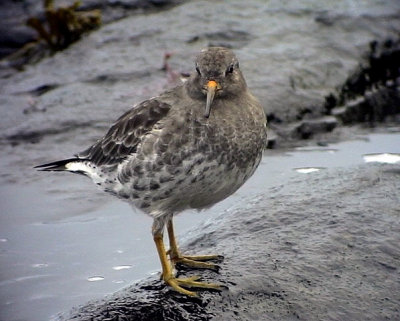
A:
x: 319, y: 73
x: 306, y: 252
x: 369, y: 92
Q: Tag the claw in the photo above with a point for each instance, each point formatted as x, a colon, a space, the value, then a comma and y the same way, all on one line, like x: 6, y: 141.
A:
x: 178, y: 283
x: 212, y: 257
x: 190, y: 262
x: 198, y: 261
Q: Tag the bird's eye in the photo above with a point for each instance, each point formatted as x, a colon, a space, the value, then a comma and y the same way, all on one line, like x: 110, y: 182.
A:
x: 230, y: 69
x: 198, y: 71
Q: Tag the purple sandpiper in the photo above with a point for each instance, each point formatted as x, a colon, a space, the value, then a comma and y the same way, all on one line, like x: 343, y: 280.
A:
x: 188, y: 148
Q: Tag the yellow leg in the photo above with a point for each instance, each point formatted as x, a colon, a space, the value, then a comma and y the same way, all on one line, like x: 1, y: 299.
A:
x: 193, y: 261
x: 170, y: 279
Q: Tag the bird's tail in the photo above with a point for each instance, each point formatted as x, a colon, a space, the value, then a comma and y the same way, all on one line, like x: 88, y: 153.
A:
x: 75, y: 165
x: 71, y: 165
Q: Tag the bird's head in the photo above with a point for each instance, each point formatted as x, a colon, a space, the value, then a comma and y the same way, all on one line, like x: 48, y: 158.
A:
x: 217, y: 75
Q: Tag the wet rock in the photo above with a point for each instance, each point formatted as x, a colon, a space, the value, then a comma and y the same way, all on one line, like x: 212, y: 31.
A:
x: 14, y: 33
x: 290, y: 134
x: 382, y: 69
x: 117, y: 9
x: 36, y: 136
x: 13, y: 38
x: 324, y: 247
x: 272, y: 138
x: 112, y: 78
x: 42, y: 89
x: 226, y: 38
x: 303, y: 64
x: 373, y: 106
x: 372, y: 93
x: 313, y: 249
x: 299, y: 62
x: 307, y: 128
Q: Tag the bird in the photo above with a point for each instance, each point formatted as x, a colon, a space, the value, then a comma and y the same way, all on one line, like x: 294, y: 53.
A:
x: 188, y: 148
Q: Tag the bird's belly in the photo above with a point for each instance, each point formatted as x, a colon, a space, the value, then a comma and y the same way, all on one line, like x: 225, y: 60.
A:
x: 191, y: 184
x: 221, y: 184
x: 216, y: 185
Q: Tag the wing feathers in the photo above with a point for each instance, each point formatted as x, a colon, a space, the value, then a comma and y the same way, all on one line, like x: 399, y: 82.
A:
x: 126, y: 133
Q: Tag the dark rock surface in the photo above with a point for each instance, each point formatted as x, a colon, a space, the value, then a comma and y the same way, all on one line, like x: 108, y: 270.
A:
x: 319, y: 249
x: 372, y: 93
x: 14, y: 33
x: 302, y: 63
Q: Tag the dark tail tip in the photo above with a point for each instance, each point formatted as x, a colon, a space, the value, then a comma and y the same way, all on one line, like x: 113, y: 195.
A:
x: 56, y: 166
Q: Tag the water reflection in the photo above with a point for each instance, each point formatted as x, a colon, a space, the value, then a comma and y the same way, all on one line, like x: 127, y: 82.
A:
x: 386, y: 158
x: 122, y: 267
x: 308, y: 170
x: 95, y: 278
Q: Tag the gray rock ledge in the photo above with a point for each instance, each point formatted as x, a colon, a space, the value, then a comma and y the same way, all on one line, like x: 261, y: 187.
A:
x: 325, y: 248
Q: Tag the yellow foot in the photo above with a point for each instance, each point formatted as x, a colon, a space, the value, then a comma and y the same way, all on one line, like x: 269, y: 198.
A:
x: 212, y: 257
x: 197, y: 261
x: 192, y: 261
x: 178, y: 283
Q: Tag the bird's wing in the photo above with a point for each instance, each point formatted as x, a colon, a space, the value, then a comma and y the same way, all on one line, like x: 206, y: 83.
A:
x: 126, y: 133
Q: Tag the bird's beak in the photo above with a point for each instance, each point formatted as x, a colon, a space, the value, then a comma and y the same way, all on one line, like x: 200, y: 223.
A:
x: 211, y: 87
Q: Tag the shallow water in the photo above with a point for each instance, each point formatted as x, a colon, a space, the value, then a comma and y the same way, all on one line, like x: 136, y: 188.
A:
x: 63, y: 243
